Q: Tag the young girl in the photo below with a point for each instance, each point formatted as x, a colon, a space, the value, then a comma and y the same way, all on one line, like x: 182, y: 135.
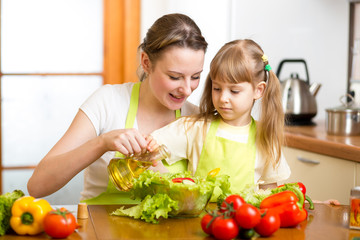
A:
x: 224, y: 135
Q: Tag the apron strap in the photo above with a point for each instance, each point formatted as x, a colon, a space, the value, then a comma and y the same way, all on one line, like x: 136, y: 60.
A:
x: 177, y: 113
x: 134, y: 103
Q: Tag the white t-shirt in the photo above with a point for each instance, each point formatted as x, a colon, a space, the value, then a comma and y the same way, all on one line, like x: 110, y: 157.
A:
x: 184, y: 142
x: 107, y: 109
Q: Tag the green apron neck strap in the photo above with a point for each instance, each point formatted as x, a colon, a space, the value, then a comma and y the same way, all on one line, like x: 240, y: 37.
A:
x: 252, y: 132
x: 134, y: 102
x: 177, y: 113
x: 213, y: 127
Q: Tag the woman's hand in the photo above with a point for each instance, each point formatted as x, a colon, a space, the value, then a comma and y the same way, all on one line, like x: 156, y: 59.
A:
x: 151, y: 143
x: 127, y: 141
x: 151, y: 146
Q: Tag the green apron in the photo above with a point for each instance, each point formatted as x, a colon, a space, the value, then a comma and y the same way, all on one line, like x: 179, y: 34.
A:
x: 112, y: 195
x: 233, y: 158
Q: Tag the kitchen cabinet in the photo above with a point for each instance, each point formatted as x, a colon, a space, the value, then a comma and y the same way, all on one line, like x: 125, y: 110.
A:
x: 325, y: 177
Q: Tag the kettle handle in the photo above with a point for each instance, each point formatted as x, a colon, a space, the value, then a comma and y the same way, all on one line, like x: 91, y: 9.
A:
x: 293, y: 60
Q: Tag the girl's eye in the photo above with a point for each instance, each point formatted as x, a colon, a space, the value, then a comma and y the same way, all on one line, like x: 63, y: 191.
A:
x: 216, y: 89
x: 235, y: 91
x: 195, y: 77
x: 174, y: 78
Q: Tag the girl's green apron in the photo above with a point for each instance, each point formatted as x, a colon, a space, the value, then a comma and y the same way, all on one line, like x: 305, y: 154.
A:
x: 112, y: 195
x: 233, y: 158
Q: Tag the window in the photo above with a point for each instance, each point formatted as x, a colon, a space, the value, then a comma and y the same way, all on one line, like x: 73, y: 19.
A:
x: 54, y: 54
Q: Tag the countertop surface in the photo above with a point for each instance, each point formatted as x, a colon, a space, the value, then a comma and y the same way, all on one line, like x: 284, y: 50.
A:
x: 324, y: 222
x: 315, y: 139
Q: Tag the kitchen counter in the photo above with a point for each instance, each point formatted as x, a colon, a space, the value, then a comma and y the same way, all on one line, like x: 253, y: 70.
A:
x: 315, y: 139
x: 325, y: 222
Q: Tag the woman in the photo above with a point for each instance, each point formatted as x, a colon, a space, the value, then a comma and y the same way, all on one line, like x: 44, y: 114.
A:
x: 118, y: 117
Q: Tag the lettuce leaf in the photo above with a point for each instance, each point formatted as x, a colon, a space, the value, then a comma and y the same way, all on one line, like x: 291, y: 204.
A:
x: 150, y: 209
x: 254, y: 196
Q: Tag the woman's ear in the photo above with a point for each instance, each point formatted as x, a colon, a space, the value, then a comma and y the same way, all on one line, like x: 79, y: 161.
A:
x: 145, y: 62
x: 259, y: 90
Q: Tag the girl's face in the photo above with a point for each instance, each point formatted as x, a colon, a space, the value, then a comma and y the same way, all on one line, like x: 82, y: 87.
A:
x: 235, y: 101
x: 175, y: 76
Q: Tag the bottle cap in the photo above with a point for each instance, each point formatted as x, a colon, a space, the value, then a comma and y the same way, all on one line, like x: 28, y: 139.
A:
x: 355, y: 192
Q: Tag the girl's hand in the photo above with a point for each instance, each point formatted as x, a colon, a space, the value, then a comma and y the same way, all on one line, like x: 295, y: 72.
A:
x: 328, y: 201
x: 127, y: 141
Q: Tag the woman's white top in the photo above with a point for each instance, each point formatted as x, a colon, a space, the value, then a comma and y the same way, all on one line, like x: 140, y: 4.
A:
x: 107, y: 109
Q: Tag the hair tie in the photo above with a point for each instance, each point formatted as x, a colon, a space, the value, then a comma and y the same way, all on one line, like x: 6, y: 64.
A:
x: 267, y: 67
x: 264, y: 58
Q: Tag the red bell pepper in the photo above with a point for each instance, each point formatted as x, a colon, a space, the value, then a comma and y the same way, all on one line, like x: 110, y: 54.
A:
x: 280, y: 198
x: 290, y: 214
x: 295, y: 187
x: 288, y: 206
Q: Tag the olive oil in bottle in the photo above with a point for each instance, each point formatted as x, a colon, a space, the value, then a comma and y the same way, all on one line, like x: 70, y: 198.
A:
x: 123, y: 170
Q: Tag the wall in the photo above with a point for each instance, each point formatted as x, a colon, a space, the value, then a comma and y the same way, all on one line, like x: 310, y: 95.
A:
x: 316, y: 31
x: 214, y: 23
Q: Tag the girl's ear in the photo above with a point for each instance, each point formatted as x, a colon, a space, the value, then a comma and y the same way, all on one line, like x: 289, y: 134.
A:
x: 259, y: 90
x: 145, y: 62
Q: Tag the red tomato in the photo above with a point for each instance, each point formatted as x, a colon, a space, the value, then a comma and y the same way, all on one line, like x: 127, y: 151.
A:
x: 224, y: 228
x: 247, y: 216
x: 269, y: 224
x: 235, y: 200
x: 59, y: 223
x: 205, y: 223
x: 180, y: 180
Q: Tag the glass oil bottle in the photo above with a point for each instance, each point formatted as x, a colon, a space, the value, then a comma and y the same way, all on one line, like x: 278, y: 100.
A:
x: 123, y: 170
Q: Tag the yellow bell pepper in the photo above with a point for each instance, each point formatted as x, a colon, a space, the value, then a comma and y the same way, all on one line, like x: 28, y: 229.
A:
x: 28, y: 215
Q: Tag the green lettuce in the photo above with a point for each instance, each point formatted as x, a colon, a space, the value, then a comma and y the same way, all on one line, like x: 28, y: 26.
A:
x: 169, y: 198
x: 6, y: 202
x: 150, y: 209
x: 254, y: 196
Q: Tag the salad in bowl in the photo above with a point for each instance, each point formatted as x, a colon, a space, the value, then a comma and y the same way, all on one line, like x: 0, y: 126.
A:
x: 172, y: 195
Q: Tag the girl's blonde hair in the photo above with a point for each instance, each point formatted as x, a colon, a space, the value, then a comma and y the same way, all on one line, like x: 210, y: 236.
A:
x: 171, y: 30
x: 242, y: 61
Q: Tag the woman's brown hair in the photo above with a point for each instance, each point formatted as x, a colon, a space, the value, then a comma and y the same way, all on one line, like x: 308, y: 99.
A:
x: 171, y: 30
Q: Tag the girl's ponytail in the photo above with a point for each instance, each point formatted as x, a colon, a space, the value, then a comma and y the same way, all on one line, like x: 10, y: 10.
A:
x: 270, y: 133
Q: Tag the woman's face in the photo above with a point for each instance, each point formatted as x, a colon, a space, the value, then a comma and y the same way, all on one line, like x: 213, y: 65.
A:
x: 175, y: 75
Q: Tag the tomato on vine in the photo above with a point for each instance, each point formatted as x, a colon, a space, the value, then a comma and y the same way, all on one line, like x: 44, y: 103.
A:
x: 206, y: 223
x: 247, y: 216
x: 224, y: 228
x: 60, y: 223
x: 232, y: 203
x: 269, y: 224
